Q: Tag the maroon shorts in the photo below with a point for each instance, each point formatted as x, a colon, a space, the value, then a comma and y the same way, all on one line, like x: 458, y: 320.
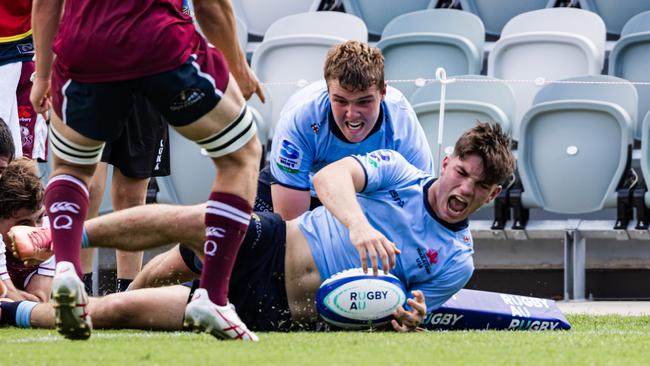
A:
x: 101, y: 110
x: 33, y: 131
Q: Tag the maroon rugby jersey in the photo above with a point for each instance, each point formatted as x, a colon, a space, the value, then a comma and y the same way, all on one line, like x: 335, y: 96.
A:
x: 15, y: 19
x: 110, y: 40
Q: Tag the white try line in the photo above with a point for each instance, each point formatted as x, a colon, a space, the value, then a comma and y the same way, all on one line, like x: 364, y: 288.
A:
x: 102, y: 335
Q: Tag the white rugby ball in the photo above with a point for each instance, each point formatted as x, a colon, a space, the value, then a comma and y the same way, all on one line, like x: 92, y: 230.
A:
x: 352, y: 299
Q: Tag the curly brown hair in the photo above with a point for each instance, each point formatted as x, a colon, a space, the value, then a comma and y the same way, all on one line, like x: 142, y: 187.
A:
x: 20, y: 188
x: 492, y: 145
x: 355, y: 65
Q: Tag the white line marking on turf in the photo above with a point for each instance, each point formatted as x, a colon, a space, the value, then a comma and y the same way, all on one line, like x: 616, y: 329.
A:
x: 55, y: 338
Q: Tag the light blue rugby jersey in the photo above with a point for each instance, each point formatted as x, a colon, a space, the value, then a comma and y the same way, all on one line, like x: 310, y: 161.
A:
x: 436, y: 257
x: 304, y: 140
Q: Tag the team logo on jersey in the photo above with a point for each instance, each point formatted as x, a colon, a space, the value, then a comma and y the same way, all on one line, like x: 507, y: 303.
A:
x: 427, y: 258
x: 315, y: 127
x: 432, y: 255
x: 186, y: 98
x: 375, y: 157
x: 395, y: 196
x: 289, y: 158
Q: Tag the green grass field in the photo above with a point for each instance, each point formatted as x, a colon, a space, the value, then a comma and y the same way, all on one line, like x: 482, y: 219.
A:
x: 594, y: 340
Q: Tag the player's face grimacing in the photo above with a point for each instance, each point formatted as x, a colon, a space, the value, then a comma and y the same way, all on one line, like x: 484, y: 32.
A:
x: 461, y: 189
x: 355, y: 112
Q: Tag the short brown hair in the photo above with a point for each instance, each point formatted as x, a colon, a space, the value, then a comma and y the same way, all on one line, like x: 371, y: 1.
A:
x: 355, y: 65
x: 20, y: 187
x: 7, y: 147
x: 492, y: 145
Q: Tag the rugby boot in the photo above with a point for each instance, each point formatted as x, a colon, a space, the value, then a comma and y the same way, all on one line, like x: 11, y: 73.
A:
x: 70, y: 300
x: 202, y: 315
x: 31, y: 243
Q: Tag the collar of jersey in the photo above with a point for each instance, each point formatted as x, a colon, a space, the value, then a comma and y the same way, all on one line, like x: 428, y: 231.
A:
x: 453, y: 227
x: 337, y: 131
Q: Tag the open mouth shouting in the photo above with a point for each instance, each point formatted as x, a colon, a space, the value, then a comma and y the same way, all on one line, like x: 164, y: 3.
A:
x: 354, y: 125
x: 457, y: 205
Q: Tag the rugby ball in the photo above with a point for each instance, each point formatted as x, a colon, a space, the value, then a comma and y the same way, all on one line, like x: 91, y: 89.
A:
x: 354, y: 300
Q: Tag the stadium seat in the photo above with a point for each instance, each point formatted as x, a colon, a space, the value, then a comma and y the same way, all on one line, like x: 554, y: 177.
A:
x: 377, y: 13
x: 258, y: 15
x: 645, y: 155
x: 546, y: 44
x: 629, y: 60
x: 294, y: 50
x: 495, y: 13
x: 574, y: 144
x: 416, y: 44
x: 468, y: 99
x: 615, y: 13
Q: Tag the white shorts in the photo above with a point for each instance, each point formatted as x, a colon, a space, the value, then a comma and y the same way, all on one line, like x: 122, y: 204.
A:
x: 9, y: 103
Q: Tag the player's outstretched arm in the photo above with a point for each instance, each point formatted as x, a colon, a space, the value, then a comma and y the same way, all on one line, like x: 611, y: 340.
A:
x: 336, y: 186
x: 45, y: 24
x: 410, y: 320
x: 217, y: 21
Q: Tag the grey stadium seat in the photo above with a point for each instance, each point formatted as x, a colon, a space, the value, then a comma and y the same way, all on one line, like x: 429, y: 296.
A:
x: 496, y: 13
x: 552, y: 44
x: 258, y: 15
x: 615, y: 13
x: 470, y: 98
x: 377, y: 13
x: 574, y: 144
x: 629, y: 60
x: 416, y: 44
x: 645, y: 154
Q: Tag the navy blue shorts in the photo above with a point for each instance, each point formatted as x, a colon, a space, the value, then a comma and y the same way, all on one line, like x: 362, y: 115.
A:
x: 183, y: 95
x: 142, y: 150
x: 257, y: 287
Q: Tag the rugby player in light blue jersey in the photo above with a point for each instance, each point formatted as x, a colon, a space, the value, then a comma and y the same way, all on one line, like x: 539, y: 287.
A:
x: 380, y: 212
x: 351, y: 112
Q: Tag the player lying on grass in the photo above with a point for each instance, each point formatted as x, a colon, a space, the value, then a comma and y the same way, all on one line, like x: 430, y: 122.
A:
x: 90, y: 95
x: 402, y: 219
x: 21, y: 203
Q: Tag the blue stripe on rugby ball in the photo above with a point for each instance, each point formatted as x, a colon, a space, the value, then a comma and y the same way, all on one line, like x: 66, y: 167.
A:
x: 352, y: 299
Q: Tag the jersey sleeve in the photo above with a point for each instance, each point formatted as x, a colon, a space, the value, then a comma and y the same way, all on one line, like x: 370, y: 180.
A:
x: 384, y: 168
x: 414, y: 145
x: 442, y: 288
x: 291, y: 154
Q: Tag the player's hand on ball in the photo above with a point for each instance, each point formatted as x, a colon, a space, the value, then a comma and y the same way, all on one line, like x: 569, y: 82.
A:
x: 408, y: 321
x: 372, y: 244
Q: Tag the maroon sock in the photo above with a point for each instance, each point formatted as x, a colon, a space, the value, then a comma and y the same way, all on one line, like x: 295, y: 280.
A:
x: 226, y: 221
x: 66, y: 202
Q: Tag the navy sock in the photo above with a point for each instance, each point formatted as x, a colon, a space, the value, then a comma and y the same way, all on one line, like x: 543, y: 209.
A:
x: 16, y: 313
x: 88, y: 282
x: 122, y: 284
